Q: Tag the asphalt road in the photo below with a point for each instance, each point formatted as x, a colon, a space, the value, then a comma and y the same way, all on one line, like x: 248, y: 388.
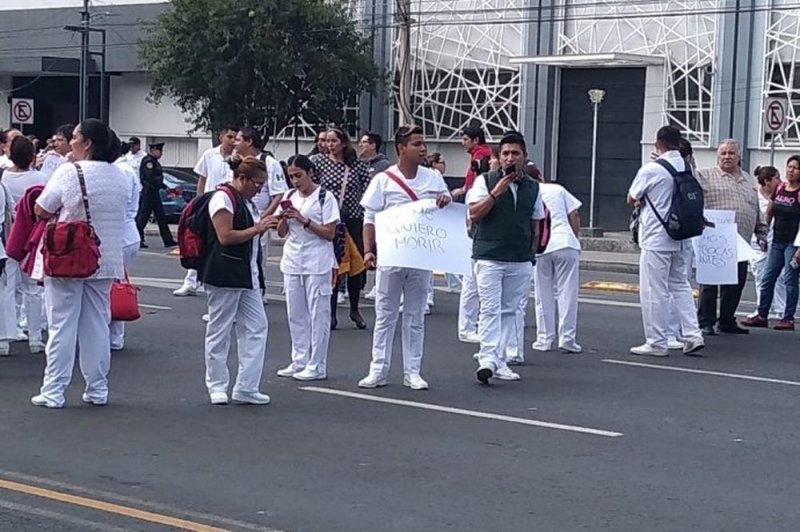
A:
x: 583, y: 442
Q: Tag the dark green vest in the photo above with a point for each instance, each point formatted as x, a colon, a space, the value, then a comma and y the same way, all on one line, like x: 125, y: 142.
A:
x: 504, y: 235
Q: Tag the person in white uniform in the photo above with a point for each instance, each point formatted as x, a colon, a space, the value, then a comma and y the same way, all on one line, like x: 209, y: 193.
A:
x: 130, y: 238
x: 8, y: 314
x: 505, y: 206
x: 308, y: 216
x: 79, y: 310
x: 7, y: 138
x: 556, y: 272
x: 664, y: 263
x: 135, y: 155
x: 58, y: 156
x: 233, y: 279
x: 404, y: 182
x: 17, y: 180
x: 212, y: 170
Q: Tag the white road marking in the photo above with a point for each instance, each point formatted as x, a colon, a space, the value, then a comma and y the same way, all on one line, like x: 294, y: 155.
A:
x: 608, y: 302
x: 154, y: 307
x: 463, y: 412
x: 702, y: 372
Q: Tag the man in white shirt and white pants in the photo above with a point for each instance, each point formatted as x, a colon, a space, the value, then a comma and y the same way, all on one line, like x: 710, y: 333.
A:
x: 664, y: 263
x: 402, y: 183
x: 212, y: 170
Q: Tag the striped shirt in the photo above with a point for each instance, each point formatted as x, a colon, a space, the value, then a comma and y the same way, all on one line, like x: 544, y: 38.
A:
x: 734, y: 192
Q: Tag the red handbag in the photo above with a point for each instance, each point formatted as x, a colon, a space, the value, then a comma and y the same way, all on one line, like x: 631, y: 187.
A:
x: 72, y: 249
x: 124, y: 301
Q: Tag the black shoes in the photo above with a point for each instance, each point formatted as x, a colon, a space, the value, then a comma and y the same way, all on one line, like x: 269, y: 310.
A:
x: 733, y: 329
x: 356, y: 317
x: 708, y: 331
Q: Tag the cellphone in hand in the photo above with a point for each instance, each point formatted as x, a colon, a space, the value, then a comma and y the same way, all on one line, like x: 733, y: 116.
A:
x: 286, y: 204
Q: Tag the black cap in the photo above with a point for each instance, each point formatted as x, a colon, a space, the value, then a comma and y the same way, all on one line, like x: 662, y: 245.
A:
x: 156, y: 145
x: 134, y: 140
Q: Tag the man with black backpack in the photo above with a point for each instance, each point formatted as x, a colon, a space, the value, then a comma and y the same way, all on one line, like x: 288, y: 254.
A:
x: 671, y: 204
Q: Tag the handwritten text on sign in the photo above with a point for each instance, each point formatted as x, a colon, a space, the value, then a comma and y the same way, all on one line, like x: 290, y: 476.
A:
x: 715, y: 252
x: 420, y: 235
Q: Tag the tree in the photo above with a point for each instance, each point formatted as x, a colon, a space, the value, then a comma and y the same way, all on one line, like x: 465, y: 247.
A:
x: 258, y: 62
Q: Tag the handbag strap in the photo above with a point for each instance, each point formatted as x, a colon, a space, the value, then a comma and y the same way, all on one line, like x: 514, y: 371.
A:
x: 84, y: 194
x: 402, y: 184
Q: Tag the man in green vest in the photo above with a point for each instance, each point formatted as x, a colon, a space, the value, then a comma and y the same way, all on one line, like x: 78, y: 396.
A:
x: 504, y: 207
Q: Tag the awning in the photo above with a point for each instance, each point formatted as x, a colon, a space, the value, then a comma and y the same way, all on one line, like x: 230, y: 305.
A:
x: 590, y: 60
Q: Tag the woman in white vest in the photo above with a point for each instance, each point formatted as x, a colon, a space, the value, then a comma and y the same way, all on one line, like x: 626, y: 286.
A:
x: 79, y: 310
x: 556, y: 272
x: 308, y: 265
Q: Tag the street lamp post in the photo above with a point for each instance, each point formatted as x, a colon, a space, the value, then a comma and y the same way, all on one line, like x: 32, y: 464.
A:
x: 596, y: 97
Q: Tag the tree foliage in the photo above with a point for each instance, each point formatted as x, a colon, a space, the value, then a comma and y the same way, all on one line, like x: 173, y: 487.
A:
x: 256, y: 61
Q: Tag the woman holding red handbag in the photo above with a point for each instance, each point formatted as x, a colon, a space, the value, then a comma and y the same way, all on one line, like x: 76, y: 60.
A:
x: 86, y: 201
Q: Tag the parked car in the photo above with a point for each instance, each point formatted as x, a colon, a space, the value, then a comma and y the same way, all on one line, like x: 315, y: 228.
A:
x: 181, y: 188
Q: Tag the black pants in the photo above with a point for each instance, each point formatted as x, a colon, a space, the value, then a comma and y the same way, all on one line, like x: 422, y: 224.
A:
x: 150, y: 203
x: 729, y: 297
x: 355, y: 228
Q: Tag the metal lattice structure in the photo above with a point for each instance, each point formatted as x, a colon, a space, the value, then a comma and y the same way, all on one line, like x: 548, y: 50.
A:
x: 781, y: 80
x: 682, y: 32
x: 461, y: 73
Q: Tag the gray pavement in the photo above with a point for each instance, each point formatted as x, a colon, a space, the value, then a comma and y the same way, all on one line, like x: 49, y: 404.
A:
x: 708, y: 445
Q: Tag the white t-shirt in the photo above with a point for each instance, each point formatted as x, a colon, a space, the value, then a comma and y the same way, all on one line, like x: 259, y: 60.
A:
x: 479, y: 191
x: 221, y: 201
x: 18, y: 183
x: 305, y: 253
x: 135, y: 160
x: 383, y: 192
x: 213, y: 166
x: 131, y: 234
x: 654, y: 181
x: 560, y: 203
x: 5, y: 162
x: 276, y: 184
x: 52, y: 161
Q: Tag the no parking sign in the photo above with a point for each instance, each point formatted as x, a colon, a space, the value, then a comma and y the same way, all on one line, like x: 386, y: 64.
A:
x: 21, y: 111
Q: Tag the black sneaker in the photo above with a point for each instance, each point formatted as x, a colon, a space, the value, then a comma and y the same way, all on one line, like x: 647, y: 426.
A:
x: 708, y: 330
x: 733, y: 329
x: 484, y: 374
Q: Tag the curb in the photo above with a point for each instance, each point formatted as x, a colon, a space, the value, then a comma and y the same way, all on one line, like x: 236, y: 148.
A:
x: 609, y: 267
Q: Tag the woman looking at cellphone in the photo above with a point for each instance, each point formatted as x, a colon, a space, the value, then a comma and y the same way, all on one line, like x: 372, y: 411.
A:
x: 308, y: 216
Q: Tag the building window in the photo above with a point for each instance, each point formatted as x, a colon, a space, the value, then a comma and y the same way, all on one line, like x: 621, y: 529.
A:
x: 689, y: 100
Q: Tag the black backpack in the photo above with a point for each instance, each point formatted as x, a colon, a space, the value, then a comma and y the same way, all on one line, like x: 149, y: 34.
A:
x: 685, y: 217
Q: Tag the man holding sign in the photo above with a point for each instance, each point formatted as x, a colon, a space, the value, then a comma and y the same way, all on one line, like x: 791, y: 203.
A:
x: 405, y: 182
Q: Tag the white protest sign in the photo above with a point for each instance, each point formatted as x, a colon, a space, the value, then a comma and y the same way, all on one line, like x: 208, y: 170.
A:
x: 715, y: 254
x: 797, y: 240
x: 720, y: 217
x: 421, y: 235
x: 744, y: 251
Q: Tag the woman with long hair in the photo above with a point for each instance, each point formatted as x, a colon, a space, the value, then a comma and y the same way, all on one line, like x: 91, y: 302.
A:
x: 308, y: 216
x: 346, y: 177
x: 78, y: 309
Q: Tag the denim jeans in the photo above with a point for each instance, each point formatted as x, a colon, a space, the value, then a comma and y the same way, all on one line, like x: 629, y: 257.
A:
x: 779, y: 257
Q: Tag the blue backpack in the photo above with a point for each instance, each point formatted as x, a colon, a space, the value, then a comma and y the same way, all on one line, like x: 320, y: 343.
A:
x: 685, y: 216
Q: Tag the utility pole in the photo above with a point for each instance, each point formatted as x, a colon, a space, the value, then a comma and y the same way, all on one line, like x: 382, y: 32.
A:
x: 83, y: 91
x: 403, y: 19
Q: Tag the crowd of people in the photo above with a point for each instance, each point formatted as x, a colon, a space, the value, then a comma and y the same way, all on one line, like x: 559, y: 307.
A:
x: 524, y: 231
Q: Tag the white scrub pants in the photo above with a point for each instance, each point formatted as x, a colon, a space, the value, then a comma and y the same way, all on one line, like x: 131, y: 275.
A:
x: 243, y: 309
x: 468, y: 304
x: 308, y: 308
x: 30, y: 304
x: 758, y: 266
x: 118, y: 327
x: 501, y: 287
x: 8, y: 307
x: 515, y: 349
x: 78, y: 311
x: 663, y: 274
x: 557, y: 284
x: 413, y: 285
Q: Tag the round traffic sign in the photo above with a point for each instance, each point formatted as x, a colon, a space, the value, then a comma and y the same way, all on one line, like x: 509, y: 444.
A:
x: 776, y: 114
x: 22, y: 112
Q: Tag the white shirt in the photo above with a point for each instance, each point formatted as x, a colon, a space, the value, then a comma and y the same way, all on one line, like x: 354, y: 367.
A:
x: 18, y: 183
x: 304, y: 252
x: 108, y: 190
x: 560, y: 203
x: 51, y: 162
x: 479, y: 191
x: 657, y: 184
x: 131, y: 234
x: 135, y: 160
x: 221, y: 201
x: 276, y: 184
x: 213, y: 166
x: 5, y: 162
x: 2, y: 221
x: 383, y: 192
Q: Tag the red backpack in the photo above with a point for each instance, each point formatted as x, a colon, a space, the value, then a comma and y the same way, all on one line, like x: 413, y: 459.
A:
x: 194, y: 227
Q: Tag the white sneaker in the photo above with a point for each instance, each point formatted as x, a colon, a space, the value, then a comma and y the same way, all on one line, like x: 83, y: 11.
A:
x: 185, y: 291
x: 469, y: 338
x: 4, y: 349
x: 41, y: 400
x: 96, y: 402
x: 289, y: 370
x: 415, y: 382
x: 371, y: 294
x: 649, y: 350
x: 309, y: 375
x: 541, y: 346
x: 250, y: 398
x: 218, y: 398
x: 206, y: 318
x: 505, y: 374
x: 372, y: 381
x: 693, y: 345
x: 571, y: 348
x: 674, y: 345
x: 340, y: 298
x: 35, y: 347
x: 427, y: 310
